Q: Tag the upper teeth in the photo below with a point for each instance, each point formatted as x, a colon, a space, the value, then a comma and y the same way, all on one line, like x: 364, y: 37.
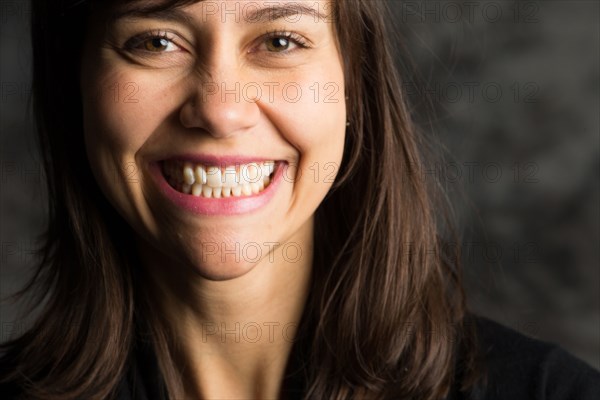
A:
x: 216, y: 177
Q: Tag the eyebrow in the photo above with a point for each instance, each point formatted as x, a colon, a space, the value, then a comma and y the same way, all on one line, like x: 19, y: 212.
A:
x: 175, y: 14
x: 168, y: 14
x: 282, y: 11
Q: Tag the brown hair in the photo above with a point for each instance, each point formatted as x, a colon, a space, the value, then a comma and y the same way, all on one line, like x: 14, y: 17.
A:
x: 386, y: 313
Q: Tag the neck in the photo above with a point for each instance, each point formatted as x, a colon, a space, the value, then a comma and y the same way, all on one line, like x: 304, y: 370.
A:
x: 234, y: 337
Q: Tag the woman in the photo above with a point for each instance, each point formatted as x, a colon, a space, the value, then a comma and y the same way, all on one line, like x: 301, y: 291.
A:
x: 236, y: 212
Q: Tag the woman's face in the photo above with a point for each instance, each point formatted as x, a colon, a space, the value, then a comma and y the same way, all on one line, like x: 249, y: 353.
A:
x: 185, y: 111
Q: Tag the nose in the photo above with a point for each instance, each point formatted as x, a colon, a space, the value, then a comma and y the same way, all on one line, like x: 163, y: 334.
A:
x: 220, y: 103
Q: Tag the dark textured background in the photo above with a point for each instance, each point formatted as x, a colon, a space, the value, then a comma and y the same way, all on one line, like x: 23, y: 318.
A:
x: 515, y: 87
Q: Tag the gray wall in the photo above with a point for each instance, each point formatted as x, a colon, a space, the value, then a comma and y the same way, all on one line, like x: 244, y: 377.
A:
x: 516, y: 104
x: 516, y: 90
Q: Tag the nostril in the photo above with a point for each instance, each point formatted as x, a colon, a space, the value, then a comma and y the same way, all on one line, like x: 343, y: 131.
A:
x: 221, y: 111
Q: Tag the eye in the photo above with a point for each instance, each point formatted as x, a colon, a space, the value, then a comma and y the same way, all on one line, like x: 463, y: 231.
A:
x: 278, y: 44
x: 153, y: 42
x: 157, y: 44
x: 282, y: 41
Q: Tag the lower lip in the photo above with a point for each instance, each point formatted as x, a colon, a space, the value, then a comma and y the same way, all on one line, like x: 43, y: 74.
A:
x: 223, y: 206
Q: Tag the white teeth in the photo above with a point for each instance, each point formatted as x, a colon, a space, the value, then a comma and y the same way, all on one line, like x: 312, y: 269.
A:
x: 251, y: 173
x: 197, y: 189
x: 213, y: 176
x: 201, y: 174
x: 241, y: 179
x: 214, y: 182
x: 246, y: 190
x: 268, y: 167
x: 230, y: 177
x: 188, y: 174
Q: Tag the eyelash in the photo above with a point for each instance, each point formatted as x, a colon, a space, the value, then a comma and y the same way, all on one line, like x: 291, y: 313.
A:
x: 300, y: 41
x: 135, y: 41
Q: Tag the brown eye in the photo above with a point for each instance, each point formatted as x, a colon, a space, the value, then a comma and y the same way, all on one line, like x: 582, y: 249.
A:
x: 283, y: 42
x: 156, y: 44
x: 277, y: 44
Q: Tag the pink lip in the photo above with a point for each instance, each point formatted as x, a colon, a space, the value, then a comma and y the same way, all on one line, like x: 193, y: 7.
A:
x: 223, y: 206
x: 212, y: 160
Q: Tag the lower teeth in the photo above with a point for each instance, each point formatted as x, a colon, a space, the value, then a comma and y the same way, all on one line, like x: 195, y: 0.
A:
x: 219, y: 192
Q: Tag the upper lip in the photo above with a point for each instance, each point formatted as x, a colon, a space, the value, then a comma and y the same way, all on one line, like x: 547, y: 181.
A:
x: 218, y: 160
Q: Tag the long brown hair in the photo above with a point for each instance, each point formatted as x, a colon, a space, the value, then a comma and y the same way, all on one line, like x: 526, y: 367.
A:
x: 386, y: 313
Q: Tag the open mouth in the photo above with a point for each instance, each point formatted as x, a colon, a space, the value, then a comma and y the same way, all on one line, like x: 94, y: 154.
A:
x: 209, y: 181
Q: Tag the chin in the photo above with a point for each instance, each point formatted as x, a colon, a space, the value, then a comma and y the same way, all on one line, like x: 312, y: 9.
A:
x: 213, y: 268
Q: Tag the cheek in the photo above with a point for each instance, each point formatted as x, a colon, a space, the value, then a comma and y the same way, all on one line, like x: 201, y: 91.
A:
x: 121, y: 112
x: 316, y: 124
x: 309, y: 106
x: 117, y: 113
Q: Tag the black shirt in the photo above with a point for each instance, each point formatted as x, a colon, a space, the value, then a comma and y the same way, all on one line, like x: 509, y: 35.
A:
x: 519, y: 368
x: 523, y: 368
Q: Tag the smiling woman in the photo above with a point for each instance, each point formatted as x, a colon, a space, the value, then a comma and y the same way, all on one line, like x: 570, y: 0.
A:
x: 208, y: 148
x: 235, y: 212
